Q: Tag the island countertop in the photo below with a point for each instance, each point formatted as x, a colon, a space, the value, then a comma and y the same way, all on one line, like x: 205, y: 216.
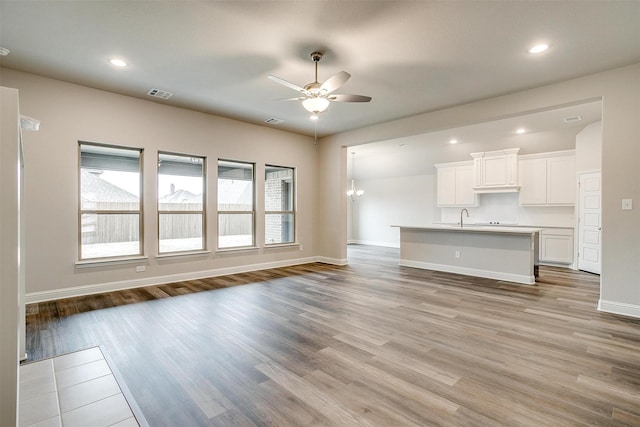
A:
x: 473, y: 228
x: 494, y: 252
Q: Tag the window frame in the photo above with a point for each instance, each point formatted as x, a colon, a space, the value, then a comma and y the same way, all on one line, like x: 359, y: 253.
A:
x: 253, y: 212
x: 139, y: 211
x: 203, y: 211
x: 292, y: 212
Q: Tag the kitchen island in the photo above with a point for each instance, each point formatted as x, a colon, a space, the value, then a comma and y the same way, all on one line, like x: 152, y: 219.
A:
x: 501, y: 253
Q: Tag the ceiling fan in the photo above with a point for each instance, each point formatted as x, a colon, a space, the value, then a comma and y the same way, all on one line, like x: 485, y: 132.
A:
x: 317, y: 96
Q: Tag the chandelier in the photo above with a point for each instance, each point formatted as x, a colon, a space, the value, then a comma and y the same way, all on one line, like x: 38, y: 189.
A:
x: 353, y: 193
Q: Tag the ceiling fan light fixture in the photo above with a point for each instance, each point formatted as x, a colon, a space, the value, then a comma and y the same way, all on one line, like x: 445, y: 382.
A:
x: 316, y: 96
x: 315, y: 105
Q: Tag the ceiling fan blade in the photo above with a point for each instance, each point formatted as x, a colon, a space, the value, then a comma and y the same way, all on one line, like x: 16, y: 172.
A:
x: 349, y: 98
x: 289, y: 84
x: 297, y: 98
x: 335, y: 81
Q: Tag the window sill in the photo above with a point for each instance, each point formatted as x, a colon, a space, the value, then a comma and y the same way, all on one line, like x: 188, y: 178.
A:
x: 110, y: 261
x: 281, y: 245
x: 182, y: 254
x: 237, y: 250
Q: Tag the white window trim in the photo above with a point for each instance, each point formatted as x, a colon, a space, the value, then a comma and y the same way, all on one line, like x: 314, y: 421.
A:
x: 202, y: 212
x: 140, y: 212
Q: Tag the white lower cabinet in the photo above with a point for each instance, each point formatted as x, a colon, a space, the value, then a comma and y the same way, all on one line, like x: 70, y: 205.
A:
x: 556, y: 245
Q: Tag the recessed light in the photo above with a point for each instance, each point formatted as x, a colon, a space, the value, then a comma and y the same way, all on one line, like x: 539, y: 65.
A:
x: 117, y: 62
x: 521, y: 131
x: 453, y: 141
x: 539, y: 48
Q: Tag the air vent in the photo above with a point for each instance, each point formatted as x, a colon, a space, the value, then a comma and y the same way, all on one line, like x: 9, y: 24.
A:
x: 572, y: 119
x: 157, y: 93
x: 274, y: 121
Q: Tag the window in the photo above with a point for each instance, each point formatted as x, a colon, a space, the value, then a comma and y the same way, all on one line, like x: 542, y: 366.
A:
x: 236, y: 211
x: 181, y: 203
x: 279, y: 205
x: 110, y: 217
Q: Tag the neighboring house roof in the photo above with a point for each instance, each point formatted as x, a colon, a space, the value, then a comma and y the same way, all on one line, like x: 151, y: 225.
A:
x: 230, y: 193
x: 182, y: 196
x: 93, y: 185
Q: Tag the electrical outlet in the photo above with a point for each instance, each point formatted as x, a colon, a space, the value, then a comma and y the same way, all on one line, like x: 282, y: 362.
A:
x: 300, y: 248
x: 627, y: 204
x: 140, y: 268
x: 457, y: 254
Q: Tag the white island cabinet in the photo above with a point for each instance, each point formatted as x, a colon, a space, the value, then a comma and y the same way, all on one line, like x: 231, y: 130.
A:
x: 501, y: 253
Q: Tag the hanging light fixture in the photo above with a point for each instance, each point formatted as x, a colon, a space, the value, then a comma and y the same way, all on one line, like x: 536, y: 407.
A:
x: 316, y: 96
x: 316, y: 104
x: 353, y: 193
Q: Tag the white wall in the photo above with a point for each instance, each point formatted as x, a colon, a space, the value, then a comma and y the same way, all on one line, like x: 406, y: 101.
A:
x: 69, y: 113
x: 620, y: 172
x: 589, y: 148
x: 391, y: 201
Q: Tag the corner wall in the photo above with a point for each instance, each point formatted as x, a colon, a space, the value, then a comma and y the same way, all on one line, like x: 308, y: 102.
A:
x: 620, y: 91
x: 9, y: 263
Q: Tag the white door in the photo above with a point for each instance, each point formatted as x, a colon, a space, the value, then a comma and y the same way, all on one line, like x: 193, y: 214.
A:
x: 589, y: 228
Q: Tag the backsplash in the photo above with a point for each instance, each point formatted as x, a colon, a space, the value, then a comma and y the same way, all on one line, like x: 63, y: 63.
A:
x: 505, y: 209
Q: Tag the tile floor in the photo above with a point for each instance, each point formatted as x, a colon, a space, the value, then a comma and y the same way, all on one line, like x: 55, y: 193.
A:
x: 77, y: 389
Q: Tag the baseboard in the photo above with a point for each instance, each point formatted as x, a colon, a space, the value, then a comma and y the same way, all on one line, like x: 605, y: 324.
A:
x: 374, y: 243
x: 621, y: 308
x: 496, y: 275
x: 35, y: 297
x: 333, y: 261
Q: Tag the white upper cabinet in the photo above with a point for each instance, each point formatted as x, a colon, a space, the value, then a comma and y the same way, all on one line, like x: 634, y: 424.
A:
x: 446, y: 177
x: 561, y: 180
x: 496, y: 171
x: 533, y: 181
x: 455, y: 184
x: 548, y: 179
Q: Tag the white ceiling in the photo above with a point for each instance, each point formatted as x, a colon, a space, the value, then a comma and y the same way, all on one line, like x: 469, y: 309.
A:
x: 505, y: 129
x: 410, y: 56
x: 544, y: 131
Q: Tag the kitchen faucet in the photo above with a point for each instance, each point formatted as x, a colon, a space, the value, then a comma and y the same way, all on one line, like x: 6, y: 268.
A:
x: 463, y: 210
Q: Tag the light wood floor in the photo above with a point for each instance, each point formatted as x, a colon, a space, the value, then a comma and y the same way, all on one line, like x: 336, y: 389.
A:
x: 370, y: 343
